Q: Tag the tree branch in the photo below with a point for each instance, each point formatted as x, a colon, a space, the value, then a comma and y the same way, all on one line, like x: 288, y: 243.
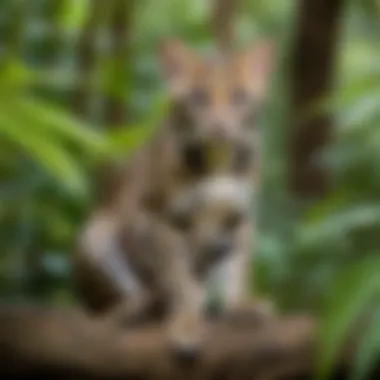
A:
x: 67, y: 344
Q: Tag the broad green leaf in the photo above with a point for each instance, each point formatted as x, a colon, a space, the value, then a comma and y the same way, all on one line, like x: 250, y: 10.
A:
x: 326, y: 207
x: 43, y: 116
x: 368, y: 349
x: 355, y: 289
x: 356, y: 90
x: 126, y: 139
x: 13, y: 76
x: 73, y: 13
x: 338, y: 224
x: 48, y: 153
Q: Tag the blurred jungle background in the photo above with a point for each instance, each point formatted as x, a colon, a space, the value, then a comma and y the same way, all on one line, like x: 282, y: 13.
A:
x: 80, y: 89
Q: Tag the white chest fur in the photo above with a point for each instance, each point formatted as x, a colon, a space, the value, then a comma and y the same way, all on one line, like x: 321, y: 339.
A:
x: 215, y: 190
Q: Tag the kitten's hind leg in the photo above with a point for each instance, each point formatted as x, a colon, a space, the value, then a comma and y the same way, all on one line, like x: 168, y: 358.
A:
x: 108, y: 271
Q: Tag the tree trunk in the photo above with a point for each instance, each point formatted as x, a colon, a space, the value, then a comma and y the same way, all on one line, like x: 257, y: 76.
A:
x: 223, y: 13
x: 117, y: 84
x: 311, y: 79
x: 119, y: 28
x: 87, y: 58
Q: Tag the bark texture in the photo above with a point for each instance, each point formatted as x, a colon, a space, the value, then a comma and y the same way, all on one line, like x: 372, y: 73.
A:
x: 222, y: 20
x: 66, y: 344
x: 312, y: 74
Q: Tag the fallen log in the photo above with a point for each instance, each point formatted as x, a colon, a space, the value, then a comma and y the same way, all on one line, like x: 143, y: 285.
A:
x: 67, y: 344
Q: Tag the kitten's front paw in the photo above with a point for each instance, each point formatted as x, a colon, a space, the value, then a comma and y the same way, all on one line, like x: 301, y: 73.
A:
x: 254, y: 313
x: 130, y: 312
x: 186, y: 337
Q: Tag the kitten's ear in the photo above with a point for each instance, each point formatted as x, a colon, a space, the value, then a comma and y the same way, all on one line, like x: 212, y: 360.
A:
x: 177, y: 63
x: 257, y: 64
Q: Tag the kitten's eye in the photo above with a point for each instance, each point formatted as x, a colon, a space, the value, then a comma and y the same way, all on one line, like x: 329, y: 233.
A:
x: 239, y: 97
x: 180, y: 221
x: 233, y: 221
x: 199, y: 97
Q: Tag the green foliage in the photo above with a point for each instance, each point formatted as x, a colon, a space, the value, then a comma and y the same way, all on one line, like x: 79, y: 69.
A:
x: 356, y: 290
x: 327, y: 261
x: 368, y: 350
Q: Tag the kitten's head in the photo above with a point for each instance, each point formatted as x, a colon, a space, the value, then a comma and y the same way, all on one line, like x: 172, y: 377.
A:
x: 220, y: 97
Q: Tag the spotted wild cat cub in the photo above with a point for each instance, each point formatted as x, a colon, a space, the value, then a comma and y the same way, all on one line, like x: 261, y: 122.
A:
x: 210, y: 132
